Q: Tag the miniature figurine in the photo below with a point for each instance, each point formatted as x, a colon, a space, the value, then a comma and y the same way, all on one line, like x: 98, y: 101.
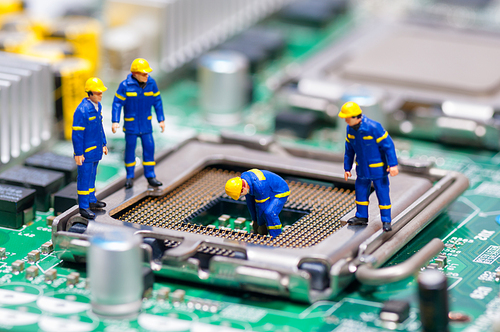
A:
x: 89, y: 143
x: 266, y: 194
x: 137, y: 94
x: 375, y: 159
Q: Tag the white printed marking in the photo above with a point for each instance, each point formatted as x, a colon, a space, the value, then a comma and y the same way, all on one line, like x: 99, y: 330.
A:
x: 60, y: 306
x: 489, y: 256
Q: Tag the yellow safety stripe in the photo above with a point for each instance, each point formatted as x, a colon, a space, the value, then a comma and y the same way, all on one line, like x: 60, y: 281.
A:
x: 367, y: 137
x: 350, y: 136
x: 384, y: 207
x: 129, y: 119
x: 150, y: 93
x: 376, y: 165
x: 156, y: 94
x: 347, y: 140
x: 91, y: 148
x: 130, y: 164
x: 261, y: 200
x: 78, y: 128
x: 91, y: 190
x: 259, y: 174
x: 149, y: 163
x: 286, y: 193
x: 131, y: 94
x: 274, y: 227
x: 384, y: 136
x: 91, y: 118
x: 362, y: 203
x: 83, y: 192
x: 124, y: 129
x: 356, y: 163
x: 120, y: 97
x: 150, y: 117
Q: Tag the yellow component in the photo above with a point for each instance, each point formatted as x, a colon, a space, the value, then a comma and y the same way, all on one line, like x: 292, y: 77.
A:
x: 150, y: 93
x: 10, y: 6
x: 94, y: 84
x: 376, y: 165
x: 367, y: 137
x: 91, y: 190
x: 351, y: 136
x: 384, y: 136
x: 274, y: 227
x: 362, y: 203
x: 131, y: 94
x: 259, y: 174
x: 83, y: 192
x: 120, y: 97
x: 286, y: 193
x: 156, y: 94
x: 140, y: 65
x: 347, y: 140
x: 78, y: 128
x: 384, y: 207
x: 91, y: 148
x: 130, y: 164
x: 261, y: 200
x: 349, y: 110
x: 233, y: 187
x: 150, y: 117
x: 92, y: 118
x: 129, y: 119
x: 149, y: 163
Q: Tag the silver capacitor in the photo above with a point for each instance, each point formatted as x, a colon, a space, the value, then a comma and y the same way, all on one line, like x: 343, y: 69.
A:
x: 224, y: 86
x: 114, y: 267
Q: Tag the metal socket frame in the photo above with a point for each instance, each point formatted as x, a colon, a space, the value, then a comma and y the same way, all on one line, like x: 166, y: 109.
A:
x: 270, y: 270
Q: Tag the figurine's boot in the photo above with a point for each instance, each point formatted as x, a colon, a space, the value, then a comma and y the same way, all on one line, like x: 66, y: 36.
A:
x: 386, y: 226
x: 263, y: 230
x: 255, y: 227
x: 129, y: 183
x: 357, y: 221
x: 97, y: 205
x: 86, y: 213
x: 154, y: 183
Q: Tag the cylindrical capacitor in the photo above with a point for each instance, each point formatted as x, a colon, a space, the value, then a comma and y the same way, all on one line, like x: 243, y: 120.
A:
x: 433, y: 298
x: 224, y: 83
x: 114, y: 267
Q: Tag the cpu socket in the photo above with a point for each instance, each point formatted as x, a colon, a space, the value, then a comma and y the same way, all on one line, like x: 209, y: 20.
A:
x: 187, y: 237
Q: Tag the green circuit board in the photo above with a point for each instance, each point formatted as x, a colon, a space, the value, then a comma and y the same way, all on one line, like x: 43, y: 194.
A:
x: 469, y: 227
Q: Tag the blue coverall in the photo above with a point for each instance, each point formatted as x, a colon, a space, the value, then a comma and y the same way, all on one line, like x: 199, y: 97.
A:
x: 266, y: 198
x: 375, y: 152
x: 137, y: 103
x: 88, y: 140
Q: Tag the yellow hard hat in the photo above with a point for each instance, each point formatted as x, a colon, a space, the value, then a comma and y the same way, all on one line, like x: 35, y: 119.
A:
x: 233, y: 188
x: 95, y: 85
x: 140, y: 65
x: 349, y: 110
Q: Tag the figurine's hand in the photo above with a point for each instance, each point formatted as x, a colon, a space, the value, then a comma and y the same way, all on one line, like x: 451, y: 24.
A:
x: 79, y: 160
x: 393, y: 170
x: 347, y: 175
x: 162, y: 126
x: 105, y: 150
x: 115, y: 126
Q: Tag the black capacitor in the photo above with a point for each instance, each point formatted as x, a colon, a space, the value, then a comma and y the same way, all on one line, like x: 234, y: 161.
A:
x: 433, y: 299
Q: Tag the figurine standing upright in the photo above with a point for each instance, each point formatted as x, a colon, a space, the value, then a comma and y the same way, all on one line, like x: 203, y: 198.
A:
x: 89, y: 143
x: 266, y: 194
x: 375, y: 159
x: 137, y: 95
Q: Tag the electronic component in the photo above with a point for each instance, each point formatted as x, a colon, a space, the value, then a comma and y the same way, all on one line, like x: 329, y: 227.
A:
x: 223, y: 78
x: 177, y: 296
x: 54, y: 162
x: 163, y: 294
x: 317, y: 13
x: 45, y: 182
x: 271, y: 41
x: 441, y: 261
x: 115, y: 271
x: 224, y: 220
x: 2, y: 253
x: 433, y: 300
x: 72, y: 279
x: 47, y: 248
x: 33, y: 256
x: 16, y: 206
x: 187, y: 215
x: 239, y: 223
x: 395, y: 311
x: 17, y: 266
x: 50, y: 275
x: 299, y: 123
x: 31, y: 272
x: 65, y: 198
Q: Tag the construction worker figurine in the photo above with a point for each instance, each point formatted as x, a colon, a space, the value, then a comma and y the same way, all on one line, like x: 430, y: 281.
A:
x: 137, y: 95
x: 266, y: 194
x: 89, y: 143
x: 375, y: 159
